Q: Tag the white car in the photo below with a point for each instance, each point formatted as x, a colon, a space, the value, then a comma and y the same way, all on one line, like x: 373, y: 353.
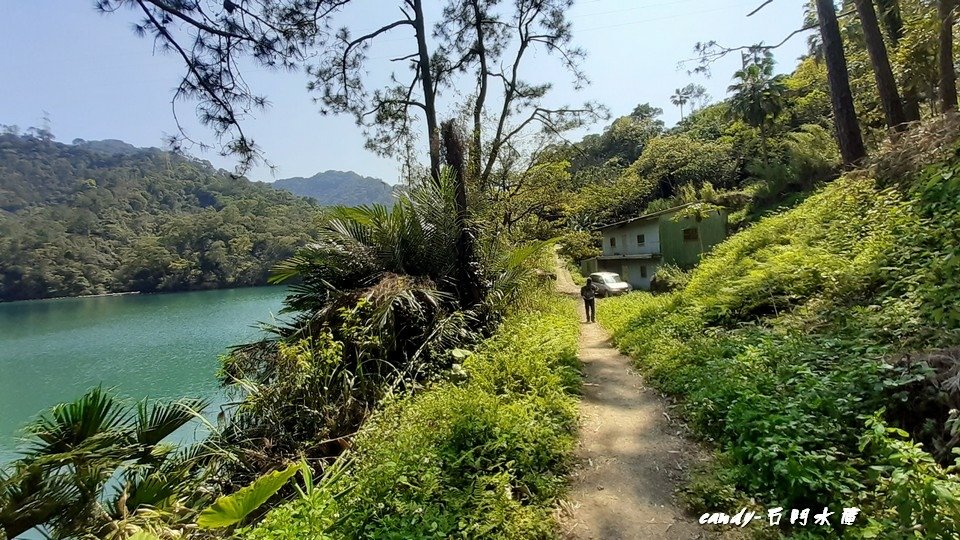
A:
x: 609, y: 284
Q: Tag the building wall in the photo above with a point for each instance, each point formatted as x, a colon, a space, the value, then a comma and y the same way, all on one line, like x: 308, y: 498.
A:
x: 686, y: 253
x: 626, y: 238
x: 629, y: 270
x: 662, y: 235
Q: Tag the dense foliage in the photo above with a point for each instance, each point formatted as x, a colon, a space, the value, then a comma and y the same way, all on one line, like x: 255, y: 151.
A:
x: 762, y: 148
x: 373, y: 310
x: 77, y: 220
x: 816, y: 349
x: 480, y: 456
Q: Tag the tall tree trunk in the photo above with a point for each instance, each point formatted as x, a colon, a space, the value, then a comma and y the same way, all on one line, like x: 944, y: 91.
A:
x: 841, y: 98
x: 429, y: 92
x: 886, y: 83
x: 468, y: 284
x: 893, y: 22
x: 476, y: 147
x: 948, y: 77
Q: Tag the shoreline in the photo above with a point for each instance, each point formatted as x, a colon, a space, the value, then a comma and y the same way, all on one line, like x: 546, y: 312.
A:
x: 139, y: 293
x: 100, y: 295
x: 86, y: 296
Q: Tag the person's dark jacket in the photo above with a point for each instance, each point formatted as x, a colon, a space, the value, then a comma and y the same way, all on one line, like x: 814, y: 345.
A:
x: 588, y: 291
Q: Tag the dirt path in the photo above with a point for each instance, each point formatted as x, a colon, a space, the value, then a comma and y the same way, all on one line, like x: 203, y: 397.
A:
x: 630, y: 458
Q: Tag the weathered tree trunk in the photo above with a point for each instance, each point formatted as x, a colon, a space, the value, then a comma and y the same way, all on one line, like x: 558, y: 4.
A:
x: 841, y: 98
x: 477, y: 146
x: 429, y: 92
x: 893, y: 22
x: 453, y: 150
x: 886, y: 83
x: 948, y: 77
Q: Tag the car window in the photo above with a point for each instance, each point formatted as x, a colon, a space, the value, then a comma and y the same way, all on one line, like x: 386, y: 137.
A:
x: 611, y: 279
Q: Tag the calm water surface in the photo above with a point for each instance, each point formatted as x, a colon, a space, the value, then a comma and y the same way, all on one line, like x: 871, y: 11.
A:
x: 156, y: 346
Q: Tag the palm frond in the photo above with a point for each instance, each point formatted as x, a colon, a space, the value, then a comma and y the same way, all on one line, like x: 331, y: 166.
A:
x: 70, y: 425
x: 157, y: 420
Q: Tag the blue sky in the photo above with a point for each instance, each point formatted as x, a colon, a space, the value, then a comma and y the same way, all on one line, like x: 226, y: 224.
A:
x: 97, y: 80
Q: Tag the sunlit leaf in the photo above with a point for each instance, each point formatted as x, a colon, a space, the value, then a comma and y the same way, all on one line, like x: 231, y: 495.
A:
x: 232, y: 509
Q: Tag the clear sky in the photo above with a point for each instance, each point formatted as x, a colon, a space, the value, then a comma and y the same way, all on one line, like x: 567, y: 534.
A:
x: 97, y: 80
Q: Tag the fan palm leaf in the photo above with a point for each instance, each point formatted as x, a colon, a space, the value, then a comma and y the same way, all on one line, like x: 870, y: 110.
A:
x: 157, y: 420
x: 77, y: 448
x: 70, y: 425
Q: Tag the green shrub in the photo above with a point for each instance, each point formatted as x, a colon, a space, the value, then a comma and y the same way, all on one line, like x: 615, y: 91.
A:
x: 669, y: 277
x: 913, y: 494
x: 833, y: 243
x: 926, y: 270
x: 711, y: 487
x: 482, y: 459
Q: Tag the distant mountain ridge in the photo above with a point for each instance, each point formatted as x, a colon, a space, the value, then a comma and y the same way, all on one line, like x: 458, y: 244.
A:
x: 110, y: 147
x: 347, y: 188
x: 329, y: 188
x: 98, y: 217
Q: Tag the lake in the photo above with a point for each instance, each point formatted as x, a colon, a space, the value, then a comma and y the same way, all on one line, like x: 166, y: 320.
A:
x: 156, y: 346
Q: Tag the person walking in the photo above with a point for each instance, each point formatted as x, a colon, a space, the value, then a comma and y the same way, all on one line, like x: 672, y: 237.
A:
x: 589, y: 294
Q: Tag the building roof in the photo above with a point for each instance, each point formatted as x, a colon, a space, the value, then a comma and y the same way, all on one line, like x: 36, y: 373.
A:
x: 645, y: 217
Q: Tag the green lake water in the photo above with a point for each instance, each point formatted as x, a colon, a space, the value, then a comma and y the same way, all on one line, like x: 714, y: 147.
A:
x: 156, y: 346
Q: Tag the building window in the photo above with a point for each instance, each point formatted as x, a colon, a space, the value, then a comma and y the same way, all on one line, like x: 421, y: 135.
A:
x: 613, y: 242
x: 643, y: 270
x: 641, y: 239
x: 691, y: 234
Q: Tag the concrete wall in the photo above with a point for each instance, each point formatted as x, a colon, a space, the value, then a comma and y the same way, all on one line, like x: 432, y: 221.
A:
x: 661, y: 235
x: 626, y: 238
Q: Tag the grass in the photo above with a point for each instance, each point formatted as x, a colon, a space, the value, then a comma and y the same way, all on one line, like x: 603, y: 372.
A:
x: 781, y: 346
x: 484, y: 456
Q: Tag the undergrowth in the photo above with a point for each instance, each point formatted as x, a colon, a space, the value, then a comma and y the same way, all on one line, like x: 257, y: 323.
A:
x: 786, y: 350
x: 484, y: 456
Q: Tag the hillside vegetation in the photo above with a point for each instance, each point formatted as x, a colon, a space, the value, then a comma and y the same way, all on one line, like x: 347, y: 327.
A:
x: 816, y: 351
x: 484, y: 456
x: 344, y: 188
x: 84, y: 219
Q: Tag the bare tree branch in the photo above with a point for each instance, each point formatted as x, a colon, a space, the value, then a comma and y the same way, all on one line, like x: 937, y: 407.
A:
x: 763, y: 5
x: 210, y: 35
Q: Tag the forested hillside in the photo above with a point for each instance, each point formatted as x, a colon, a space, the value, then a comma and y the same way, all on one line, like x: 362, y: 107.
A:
x: 817, y: 349
x: 77, y: 219
x: 764, y: 146
x: 330, y: 188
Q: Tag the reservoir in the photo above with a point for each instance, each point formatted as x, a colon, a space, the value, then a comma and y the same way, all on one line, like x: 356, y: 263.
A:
x: 159, y: 346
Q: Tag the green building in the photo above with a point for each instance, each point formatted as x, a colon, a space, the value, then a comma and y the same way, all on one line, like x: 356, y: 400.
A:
x: 634, y: 248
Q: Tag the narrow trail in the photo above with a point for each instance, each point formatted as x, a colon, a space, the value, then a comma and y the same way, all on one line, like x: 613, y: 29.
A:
x: 629, y: 457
